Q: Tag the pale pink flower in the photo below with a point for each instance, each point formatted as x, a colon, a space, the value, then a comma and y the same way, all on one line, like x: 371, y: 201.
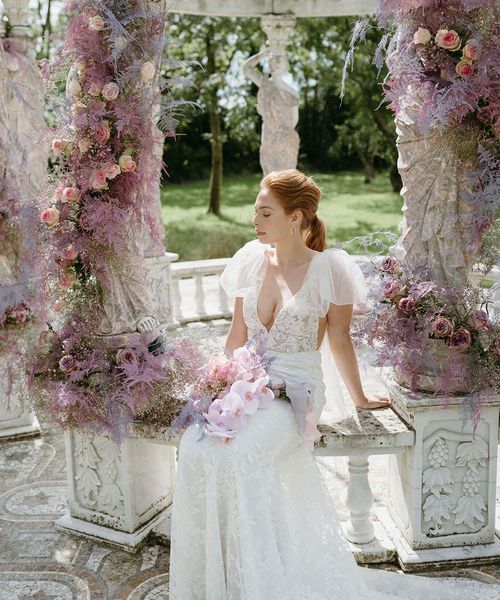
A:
x: 97, y: 23
x: 102, y: 132
x: 98, y: 180
x: 94, y: 89
x: 58, y: 192
x: 59, y: 146
x: 70, y: 253
x: 441, y: 327
x: 390, y: 265
x: 448, y: 39
x: 479, y: 320
x: 421, y: 36
x: 464, y: 69
x: 66, y: 279
x: 84, y: 144
x: 147, y: 71
x: 471, y: 49
x: 392, y: 289
x: 50, y: 216
x: 70, y: 194
x: 264, y: 393
x: 406, y: 305
x: 127, y: 163
x: 247, y: 392
x: 111, y: 170
x: 110, y: 91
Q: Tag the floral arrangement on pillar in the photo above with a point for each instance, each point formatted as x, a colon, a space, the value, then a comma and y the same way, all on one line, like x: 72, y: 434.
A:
x: 428, y: 322
x: 104, y: 182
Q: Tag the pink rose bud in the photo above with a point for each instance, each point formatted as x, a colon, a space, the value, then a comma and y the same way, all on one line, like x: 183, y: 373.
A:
x: 84, y: 145
x: 479, y: 320
x: 471, y: 50
x: 464, y: 69
x: 126, y: 163
x: 70, y: 252
x: 102, y: 132
x: 50, y: 216
x: 66, y: 279
x: 94, y: 89
x: 67, y: 363
x: 70, y: 194
x: 421, y: 36
x: 111, y: 170
x: 448, y: 39
x: 58, y: 192
x: 441, y: 327
x: 98, y: 180
x: 147, y: 71
x: 110, y: 91
x: 96, y: 23
x: 460, y: 339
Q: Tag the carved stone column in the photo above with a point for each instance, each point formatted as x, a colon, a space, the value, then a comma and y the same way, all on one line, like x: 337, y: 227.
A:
x: 117, y: 493
x: 277, y: 100
x: 442, y: 491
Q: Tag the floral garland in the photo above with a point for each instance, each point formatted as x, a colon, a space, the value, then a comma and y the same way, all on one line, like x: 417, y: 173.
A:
x: 104, y: 183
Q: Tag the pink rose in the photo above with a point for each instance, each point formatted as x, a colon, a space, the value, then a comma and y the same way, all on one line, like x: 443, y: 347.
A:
x: 110, y: 91
x: 67, y: 363
x: 389, y: 265
x: 102, y: 132
x: 66, y: 279
x: 97, y: 23
x: 471, y: 50
x: 98, y: 180
x: 126, y: 163
x: 84, y: 145
x: 147, y: 71
x: 441, y: 327
x: 460, y: 339
x: 94, y: 89
x: 464, y: 69
x: 70, y: 253
x: 479, y: 320
x: 406, y: 305
x: 392, y: 289
x: 50, y: 216
x: 111, y: 170
x: 21, y: 315
x: 421, y: 36
x: 126, y: 355
x: 448, y: 39
x: 70, y: 194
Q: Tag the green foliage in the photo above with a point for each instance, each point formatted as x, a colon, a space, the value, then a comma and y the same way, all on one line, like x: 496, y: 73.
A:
x: 349, y: 207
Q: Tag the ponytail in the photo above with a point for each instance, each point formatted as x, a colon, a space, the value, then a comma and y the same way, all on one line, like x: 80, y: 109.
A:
x: 316, y: 236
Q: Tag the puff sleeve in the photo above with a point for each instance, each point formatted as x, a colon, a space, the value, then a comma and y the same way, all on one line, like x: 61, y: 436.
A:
x: 340, y: 280
x: 244, y: 269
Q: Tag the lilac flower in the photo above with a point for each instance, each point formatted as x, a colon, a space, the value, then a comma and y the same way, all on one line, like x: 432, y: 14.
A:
x: 460, y: 339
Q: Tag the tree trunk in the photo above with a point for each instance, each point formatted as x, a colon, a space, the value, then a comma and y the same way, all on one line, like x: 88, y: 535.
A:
x: 368, y: 166
x: 215, y: 133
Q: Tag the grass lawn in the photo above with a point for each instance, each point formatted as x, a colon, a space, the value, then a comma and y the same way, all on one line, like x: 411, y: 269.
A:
x: 349, y: 207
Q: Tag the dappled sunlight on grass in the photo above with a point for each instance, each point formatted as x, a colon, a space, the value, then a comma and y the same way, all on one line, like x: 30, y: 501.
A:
x: 349, y: 207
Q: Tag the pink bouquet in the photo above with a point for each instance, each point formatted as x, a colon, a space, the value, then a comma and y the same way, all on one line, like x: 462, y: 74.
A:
x: 230, y: 390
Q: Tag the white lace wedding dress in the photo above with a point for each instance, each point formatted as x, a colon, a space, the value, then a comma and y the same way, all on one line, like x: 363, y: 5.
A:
x: 253, y: 519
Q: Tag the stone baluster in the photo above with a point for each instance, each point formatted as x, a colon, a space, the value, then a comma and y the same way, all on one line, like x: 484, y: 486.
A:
x: 359, y: 501
x: 199, y: 296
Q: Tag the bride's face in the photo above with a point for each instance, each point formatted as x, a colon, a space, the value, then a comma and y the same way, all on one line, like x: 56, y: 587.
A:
x: 271, y: 222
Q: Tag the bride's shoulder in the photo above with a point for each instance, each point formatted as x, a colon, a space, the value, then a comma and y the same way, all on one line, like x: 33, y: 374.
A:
x: 244, y: 268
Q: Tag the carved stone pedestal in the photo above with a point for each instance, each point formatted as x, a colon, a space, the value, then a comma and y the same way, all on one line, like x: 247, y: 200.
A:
x: 160, y: 281
x: 441, y: 492
x: 116, y: 493
x: 15, y: 419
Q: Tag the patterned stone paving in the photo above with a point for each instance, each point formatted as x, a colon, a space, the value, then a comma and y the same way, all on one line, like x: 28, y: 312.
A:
x: 37, y: 562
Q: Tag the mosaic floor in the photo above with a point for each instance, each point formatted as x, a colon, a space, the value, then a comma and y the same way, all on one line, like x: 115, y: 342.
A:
x: 37, y: 562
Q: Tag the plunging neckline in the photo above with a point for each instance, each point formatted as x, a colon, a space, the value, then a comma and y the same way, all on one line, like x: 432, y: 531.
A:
x: 292, y: 297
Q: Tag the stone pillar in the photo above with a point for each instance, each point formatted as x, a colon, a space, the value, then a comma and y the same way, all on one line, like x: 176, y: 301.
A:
x: 117, y: 493
x: 441, y: 492
x: 277, y: 100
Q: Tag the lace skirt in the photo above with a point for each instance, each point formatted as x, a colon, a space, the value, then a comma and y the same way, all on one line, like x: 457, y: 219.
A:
x: 253, y: 519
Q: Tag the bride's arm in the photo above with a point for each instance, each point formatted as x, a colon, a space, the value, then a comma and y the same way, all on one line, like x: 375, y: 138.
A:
x: 338, y: 323
x: 238, y: 334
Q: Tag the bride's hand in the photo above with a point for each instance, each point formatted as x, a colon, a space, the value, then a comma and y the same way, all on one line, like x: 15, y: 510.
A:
x: 367, y: 404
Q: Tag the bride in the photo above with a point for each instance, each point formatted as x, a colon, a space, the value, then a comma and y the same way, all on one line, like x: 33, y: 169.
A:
x: 253, y: 519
